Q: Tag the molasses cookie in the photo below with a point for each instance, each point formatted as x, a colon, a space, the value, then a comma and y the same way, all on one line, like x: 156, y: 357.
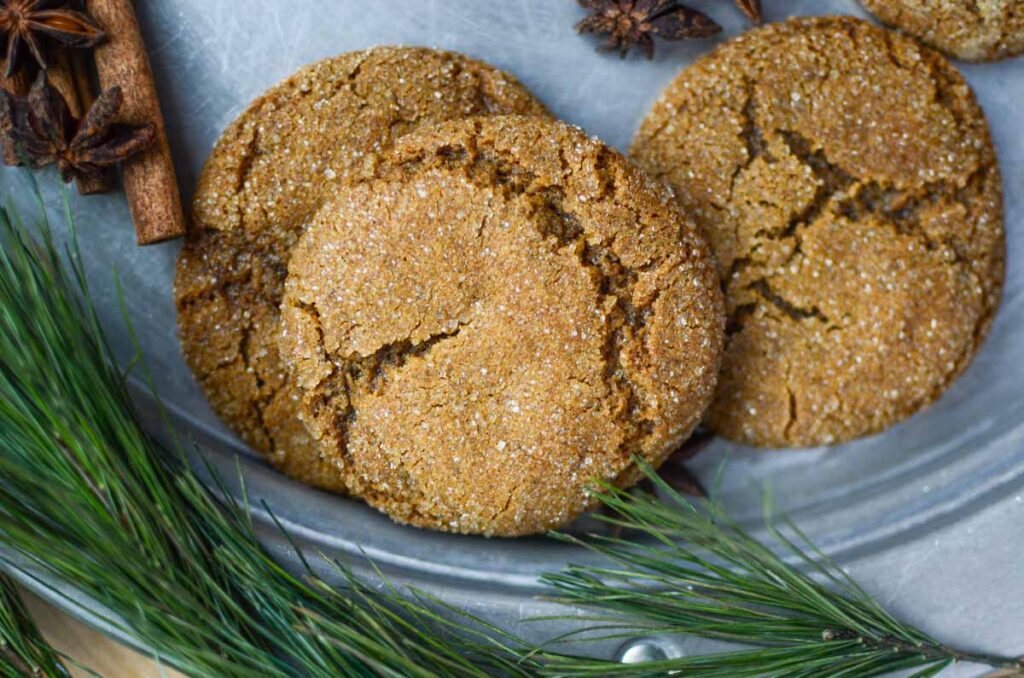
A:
x: 975, y: 30
x: 502, y: 312
x: 266, y: 177
x: 846, y: 180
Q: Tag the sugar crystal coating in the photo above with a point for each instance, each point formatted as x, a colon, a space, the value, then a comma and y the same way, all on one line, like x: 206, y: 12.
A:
x: 501, y: 312
x: 848, y: 185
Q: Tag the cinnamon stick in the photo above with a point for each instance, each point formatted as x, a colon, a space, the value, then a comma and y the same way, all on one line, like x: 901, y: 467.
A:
x: 18, y: 85
x: 150, y: 183
x: 60, y: 76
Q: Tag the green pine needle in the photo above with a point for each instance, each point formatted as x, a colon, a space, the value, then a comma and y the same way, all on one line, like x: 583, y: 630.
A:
x: 88, y: 497
x: 23, y: 652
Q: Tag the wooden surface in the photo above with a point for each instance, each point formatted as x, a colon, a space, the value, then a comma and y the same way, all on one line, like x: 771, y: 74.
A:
x: 89, y: 647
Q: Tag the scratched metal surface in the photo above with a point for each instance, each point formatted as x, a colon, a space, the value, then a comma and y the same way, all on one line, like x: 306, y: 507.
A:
x: 929, y: 515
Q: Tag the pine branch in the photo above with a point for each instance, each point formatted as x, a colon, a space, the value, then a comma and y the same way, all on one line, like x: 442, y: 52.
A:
x: 87, y: 496
x: 23, y: 652
x: 690, y: 570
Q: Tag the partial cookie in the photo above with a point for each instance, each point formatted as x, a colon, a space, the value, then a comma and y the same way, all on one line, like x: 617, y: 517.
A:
x: 505, y: 311
x: 974, y: 30
x: 848, y: 185
x: 266, y: 177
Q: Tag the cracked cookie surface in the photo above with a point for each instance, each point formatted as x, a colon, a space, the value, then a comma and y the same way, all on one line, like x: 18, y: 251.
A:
x: 974, y: 30
x: 846, y: 180
x: 499, y: 313
x: 266, y: 177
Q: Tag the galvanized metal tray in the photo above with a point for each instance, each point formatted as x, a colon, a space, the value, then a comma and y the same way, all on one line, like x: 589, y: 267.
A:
x: 929, y: 515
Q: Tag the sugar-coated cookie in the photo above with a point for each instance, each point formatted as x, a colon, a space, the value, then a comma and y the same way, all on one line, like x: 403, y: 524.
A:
x: 501, y: 312
x: 846, y: 180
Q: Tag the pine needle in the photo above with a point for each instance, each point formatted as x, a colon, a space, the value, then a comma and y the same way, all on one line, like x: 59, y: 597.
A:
x: 23, y: 652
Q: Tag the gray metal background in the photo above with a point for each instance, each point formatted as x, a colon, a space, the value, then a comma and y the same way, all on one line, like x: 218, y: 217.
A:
x: 929, y: 516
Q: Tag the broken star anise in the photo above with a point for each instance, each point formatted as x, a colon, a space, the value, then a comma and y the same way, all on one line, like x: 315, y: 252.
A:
x: 751, y: 8
x: 25, y: 23
x: 42, y: 129
x: 636, y: 22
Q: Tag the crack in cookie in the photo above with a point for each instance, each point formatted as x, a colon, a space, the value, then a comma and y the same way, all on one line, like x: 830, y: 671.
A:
x: 559, y: 222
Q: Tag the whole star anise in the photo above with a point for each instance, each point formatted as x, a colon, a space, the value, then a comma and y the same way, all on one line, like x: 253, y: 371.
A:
x: 44, y: 131
x: 636, y: 22
x: 25, y: 23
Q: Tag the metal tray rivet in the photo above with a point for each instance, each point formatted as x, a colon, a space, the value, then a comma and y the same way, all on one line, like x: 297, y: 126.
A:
x: 642, y: 650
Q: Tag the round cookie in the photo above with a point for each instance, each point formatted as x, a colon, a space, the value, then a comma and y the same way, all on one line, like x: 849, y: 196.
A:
x: 846, y: 180
x: 974, y: 30
x: 266, y: 177
x: 505, y: 311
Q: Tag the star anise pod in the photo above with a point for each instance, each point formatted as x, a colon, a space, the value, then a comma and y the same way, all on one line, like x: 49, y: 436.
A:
x: 752, y: 8
x: 24, y: 24
x: 44, y: 131
x: 636, y: 22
